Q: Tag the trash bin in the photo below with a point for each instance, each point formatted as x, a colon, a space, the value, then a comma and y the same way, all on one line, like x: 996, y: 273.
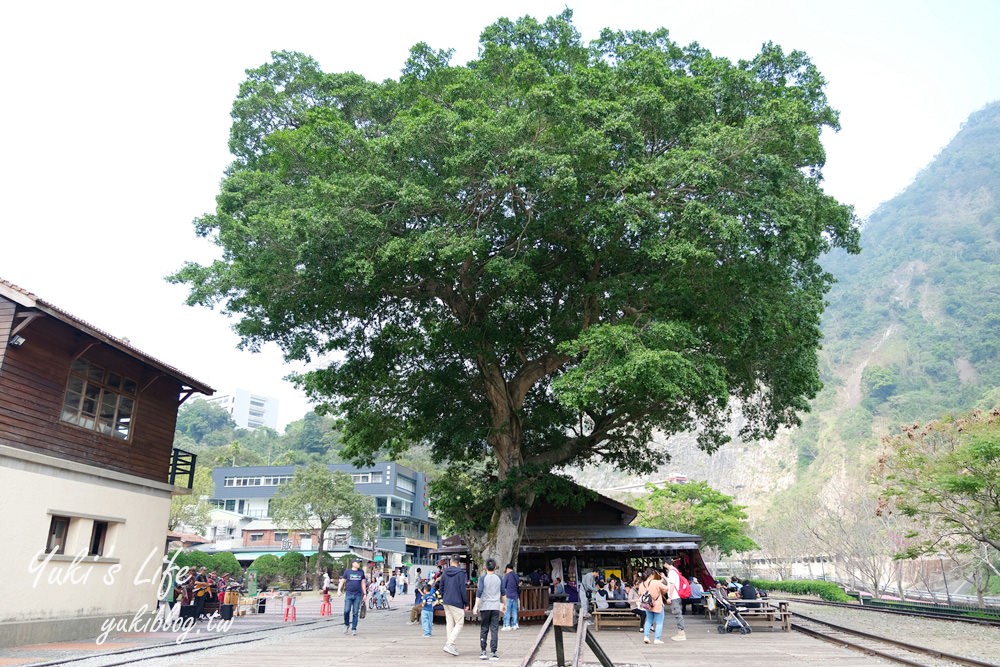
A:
x: 261, y: 602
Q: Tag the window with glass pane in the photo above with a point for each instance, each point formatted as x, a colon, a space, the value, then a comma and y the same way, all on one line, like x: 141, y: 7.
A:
x: 58, y: 528
x: 98, y: 400
x: 97, y: 536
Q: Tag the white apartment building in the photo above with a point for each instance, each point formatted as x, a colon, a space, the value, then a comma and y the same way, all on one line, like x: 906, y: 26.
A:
x: 249, y: 410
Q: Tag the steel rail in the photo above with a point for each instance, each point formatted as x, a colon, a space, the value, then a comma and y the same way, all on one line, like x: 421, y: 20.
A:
x: 219, y: 640
x: 921, y: 650
x: 915, y: 613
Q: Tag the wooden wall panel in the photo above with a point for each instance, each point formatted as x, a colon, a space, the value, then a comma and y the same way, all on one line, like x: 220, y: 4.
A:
x: 7, y: 309
x: 32, y: 386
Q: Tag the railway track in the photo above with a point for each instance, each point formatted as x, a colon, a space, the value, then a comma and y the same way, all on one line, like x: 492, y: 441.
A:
x: 172, y: 649
x: 994, y: 622
x: 883, y: 647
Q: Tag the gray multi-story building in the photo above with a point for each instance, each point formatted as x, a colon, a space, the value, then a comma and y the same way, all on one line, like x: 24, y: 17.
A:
x: 406, y: 532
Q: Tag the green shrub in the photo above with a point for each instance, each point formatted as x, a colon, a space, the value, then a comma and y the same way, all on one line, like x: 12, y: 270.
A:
x: 824, y: 589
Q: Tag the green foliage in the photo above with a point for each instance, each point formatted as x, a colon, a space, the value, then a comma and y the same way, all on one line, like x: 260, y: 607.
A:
x: 192, y: 560
x: 226, y: 563
x: 199, y: 418
x: 268, y: 570
x: 464, y: 498
x: 698, y: 509
x: 928, y: 278
x: 324, y: 562
x: 547, y: 253
x: 878, y: 383
x: 824, y: 589
x: 220, y: 443
x: 946, y: 475
x: 192, y: 511
x: 292, y: 568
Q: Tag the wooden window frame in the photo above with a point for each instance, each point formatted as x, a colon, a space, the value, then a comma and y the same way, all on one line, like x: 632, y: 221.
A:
x: 100, y: 400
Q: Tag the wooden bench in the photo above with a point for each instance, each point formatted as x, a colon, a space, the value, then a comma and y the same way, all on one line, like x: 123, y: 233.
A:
x: 619, y: 618
x: 772, y: 612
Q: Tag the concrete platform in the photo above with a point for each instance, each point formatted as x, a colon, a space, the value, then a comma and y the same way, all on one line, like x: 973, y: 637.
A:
x: 385, y: 638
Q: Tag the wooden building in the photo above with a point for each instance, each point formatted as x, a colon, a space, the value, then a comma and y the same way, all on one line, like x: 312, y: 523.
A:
x: 568, y: 543
x: 87, y: 471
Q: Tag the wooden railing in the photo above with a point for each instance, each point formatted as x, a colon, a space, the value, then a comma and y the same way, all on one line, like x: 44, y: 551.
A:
x: 533, y: 602
x: 182, y: 465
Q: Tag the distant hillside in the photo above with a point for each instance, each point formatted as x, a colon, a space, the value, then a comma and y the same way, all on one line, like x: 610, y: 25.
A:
x: 912, y: 330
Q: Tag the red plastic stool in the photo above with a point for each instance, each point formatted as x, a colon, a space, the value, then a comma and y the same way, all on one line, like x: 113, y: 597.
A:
x: 289, y: 608
x: 326, y: 609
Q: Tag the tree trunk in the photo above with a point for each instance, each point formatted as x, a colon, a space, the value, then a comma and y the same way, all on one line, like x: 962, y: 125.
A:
x: 504, y: 540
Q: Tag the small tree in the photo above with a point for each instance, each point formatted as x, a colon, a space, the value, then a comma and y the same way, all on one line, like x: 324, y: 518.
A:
x: 192, y: 511
x: 268, y: 569
x: 848, y: 528
x: 292, y: 566
x: 316, y: 499
x: 946, y: 475
x: 226, y: 563
x: 699, y: 509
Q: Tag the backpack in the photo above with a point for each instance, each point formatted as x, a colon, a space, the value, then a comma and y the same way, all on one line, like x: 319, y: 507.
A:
x: 646, y: 601
x: 684, y: 589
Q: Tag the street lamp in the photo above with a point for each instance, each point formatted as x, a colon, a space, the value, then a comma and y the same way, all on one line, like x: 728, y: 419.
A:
x: 944, y: 576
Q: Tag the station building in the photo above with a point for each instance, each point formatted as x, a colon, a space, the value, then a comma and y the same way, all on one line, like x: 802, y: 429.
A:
x: 87, y: 471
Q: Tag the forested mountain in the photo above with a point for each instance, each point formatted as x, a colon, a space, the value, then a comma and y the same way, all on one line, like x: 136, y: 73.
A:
x: 911, y: 333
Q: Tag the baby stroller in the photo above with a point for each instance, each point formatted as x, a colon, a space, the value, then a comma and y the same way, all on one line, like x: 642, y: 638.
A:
x: 733, y: 620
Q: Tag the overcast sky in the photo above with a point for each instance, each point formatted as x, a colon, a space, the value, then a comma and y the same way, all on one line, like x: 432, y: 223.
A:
x: 115, y: 119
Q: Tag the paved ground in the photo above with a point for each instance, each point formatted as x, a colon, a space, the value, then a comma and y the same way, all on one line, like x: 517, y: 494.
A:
x: 384, y: 639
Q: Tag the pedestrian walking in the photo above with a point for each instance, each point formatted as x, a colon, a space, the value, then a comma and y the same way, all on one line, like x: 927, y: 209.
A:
x: 488, y: 603
x: 357, y: 589
x: 453, y: 587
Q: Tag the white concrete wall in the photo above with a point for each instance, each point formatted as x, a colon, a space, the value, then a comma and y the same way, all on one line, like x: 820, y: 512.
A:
x: 33, y: 486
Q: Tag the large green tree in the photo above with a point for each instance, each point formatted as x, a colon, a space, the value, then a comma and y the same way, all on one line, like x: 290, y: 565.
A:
x: 545, y: 254
x: 699, y: 509
x: 316, y: 499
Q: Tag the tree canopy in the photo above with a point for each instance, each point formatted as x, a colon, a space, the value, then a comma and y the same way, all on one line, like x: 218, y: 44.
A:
x: 697, y: 508
x: 946, y: 474
x: 541, y: 256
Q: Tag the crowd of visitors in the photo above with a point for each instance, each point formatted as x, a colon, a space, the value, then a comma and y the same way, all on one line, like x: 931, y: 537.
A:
x: 649, y: 594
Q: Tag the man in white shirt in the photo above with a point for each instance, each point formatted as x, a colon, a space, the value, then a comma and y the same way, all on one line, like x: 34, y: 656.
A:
x: 673, y: 588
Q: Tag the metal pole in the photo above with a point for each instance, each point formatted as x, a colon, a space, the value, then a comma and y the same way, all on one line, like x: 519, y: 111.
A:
x: 944, y: 576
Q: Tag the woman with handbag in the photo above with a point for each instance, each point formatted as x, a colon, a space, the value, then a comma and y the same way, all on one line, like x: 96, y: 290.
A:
x: 651, y: 596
